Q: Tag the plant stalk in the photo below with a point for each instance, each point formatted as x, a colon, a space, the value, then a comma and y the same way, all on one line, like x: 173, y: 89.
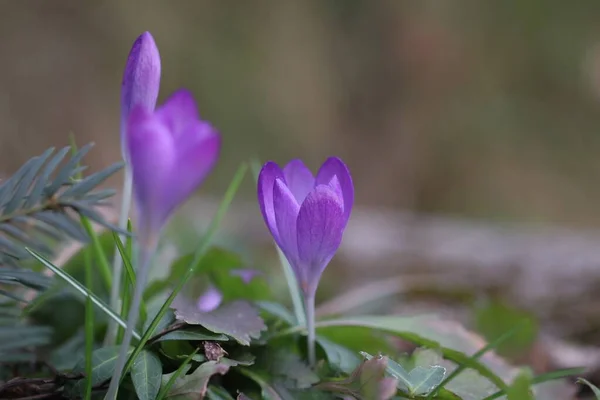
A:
x: 146, y: 252
x: 115, y: 301
x: 309, y: 302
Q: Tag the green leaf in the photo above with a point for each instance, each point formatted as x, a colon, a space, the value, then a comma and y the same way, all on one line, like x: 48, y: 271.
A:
x: 339, y: 356
x: 422, y: 330
x: 520, y: 387
x: 423, y: 380
x: 488, y: 347
x: 194, y: 385
x: 289, y: 369
x: 493, y: 320
x: 545, y: 379
x: 103, y: 366
x: 467, y: 384
x: 277, y: 310
x: 238, y: 319
x: 593, y: 387
x: 367, y: 381
x: 218, y: 393
x: 192, y: 333
x: 146, y: 373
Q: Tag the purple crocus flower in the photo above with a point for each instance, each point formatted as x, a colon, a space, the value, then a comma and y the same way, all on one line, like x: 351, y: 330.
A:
x: 306, y: 215
x: 141, y: 80
x: 171, y: 152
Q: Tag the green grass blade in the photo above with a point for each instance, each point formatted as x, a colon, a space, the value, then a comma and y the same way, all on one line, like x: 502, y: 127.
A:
x: 102, y: 260
x: 290, y: 277
x: 164, y: 390
x: 200, y: 252
x: 550, y: 376
x: 98, y: 252
x: 475, y: 357
x: 592, y: 387
x: 80, y: 288
x: 129, y: 282
x: 89, y: 324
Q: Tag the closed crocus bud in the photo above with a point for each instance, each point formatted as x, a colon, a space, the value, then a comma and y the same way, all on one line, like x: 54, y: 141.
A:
x: 306, y: 215
x: 141, y: 79
x: 171, y: 152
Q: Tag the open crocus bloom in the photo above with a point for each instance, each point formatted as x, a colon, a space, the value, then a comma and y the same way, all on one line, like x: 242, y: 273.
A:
x: 171, y: 151
x: 306, y: 215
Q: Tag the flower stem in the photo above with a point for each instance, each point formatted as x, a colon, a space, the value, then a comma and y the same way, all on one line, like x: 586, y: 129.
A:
x: 117, y: 260
x: 293, y: 287
x: 146, y: 253
x: 309, y: 303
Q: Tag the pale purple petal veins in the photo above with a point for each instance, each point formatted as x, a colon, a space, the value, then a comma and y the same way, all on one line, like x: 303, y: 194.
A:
x: 334, y: 184
x: 320, y: 227
x: 299, y: 179
x: 333, y: 166
x: 141, y: 78
x: 266, y: 181
x: 210, y: 300
x: 179, y: 111
x: 152, y: 155
x: 286, y: 210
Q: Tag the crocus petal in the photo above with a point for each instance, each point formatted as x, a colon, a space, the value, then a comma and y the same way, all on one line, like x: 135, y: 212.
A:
x: 194, y: 163
x: 152, y: 156
x: 299, y: 179
x: 141, y: 79
x: 178, y: 112
x: 266, y: 181
x: 286, y: 212
x: 334, y: 184
x: 333, y: 166
x: 320, y: 226
x: 210, y: 300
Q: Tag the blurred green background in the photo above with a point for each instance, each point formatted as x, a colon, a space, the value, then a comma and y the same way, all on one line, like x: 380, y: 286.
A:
x: 472, y: 108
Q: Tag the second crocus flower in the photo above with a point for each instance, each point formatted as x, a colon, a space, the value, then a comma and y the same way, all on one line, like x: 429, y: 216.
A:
x: 171, y: 151
x: 307, y: 216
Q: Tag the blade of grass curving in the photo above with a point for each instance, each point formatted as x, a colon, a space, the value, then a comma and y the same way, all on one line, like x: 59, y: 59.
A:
x: 550, y: 376
x: 200, y: 252
x: 490, y: 346
x: 129, y: 283
x: 593, y: 388
x: 290, y: 277
x: 80, y: 288
x: 118, y: 262
x: 99, y: 252
x: 38, y: 189
x: 89, y: 323
x: 164, y: 390
x: 389, y: 324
